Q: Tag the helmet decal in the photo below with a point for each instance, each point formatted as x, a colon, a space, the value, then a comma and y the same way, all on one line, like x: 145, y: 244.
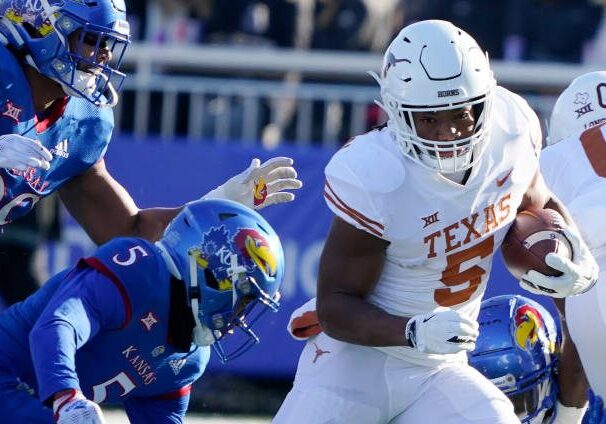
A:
x: 391, y: 62
x: 232, y: 263
x: 259, y: 191
x: 217, y: 247
x: 30, y: 12
x: 214, y: 253
x: 256, y: 250
x: 527, y: 321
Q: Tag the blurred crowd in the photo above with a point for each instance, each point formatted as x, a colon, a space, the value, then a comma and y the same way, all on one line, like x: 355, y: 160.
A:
x: 317, y: 24
x: 529, y: 30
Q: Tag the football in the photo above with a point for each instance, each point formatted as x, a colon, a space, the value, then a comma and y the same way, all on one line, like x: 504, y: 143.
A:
x: 533, y: 234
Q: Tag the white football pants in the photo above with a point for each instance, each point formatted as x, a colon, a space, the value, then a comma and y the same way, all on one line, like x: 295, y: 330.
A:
x: 586, y: 319
x: 339, y: 382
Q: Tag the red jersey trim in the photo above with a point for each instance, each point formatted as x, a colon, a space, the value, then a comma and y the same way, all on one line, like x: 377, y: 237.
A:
x: 183, y: 391
x: 100, y: 266
x: 55, y: 112
x: 373, y: 226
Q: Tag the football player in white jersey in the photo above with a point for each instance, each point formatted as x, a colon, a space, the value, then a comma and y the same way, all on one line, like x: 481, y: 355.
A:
x: 574, y: 167
x: 421, y: 207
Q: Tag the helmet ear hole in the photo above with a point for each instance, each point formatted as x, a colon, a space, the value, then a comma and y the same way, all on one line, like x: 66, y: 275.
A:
x: 31, y: 31
x: 211, y: 281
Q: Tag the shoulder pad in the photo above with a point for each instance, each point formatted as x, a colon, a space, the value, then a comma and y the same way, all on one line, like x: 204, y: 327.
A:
x: 516, y: 116
x: 371, y: 161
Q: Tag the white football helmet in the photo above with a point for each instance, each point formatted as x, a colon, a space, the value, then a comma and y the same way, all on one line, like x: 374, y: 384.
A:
x: 434, y: 66
x: 580, y: 106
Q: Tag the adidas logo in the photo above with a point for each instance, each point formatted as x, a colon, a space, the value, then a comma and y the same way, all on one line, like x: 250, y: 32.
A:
x: 176, y: 365
x: 61, y: 149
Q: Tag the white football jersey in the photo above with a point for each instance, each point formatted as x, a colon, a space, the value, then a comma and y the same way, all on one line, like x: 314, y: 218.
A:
x: 575, y: 171
x: 442, y: 234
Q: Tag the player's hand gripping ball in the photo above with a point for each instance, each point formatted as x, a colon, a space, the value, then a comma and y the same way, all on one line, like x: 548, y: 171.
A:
x: 534, y: 234
x: 549, y: 257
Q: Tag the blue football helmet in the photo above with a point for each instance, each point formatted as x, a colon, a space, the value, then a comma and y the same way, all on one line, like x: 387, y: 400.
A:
x: 72, y: 42
x: 517, y: 350
x: 232, y: 263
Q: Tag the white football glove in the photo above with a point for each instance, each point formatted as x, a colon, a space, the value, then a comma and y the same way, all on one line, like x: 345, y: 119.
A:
x: 260, y: 185
x: 579, y: 274
x: 73, y: 408
x: 19, y: 152
x: 442, y: 331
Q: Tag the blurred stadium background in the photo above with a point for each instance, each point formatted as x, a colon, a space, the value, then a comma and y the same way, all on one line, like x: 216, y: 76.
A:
x: 213, y: 83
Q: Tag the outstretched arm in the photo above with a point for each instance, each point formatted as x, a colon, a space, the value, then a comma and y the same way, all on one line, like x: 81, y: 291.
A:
x: 106, y: 210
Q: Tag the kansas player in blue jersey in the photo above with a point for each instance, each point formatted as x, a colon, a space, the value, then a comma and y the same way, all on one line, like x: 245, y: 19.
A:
x: 60, y: 77
x: 134, y: 322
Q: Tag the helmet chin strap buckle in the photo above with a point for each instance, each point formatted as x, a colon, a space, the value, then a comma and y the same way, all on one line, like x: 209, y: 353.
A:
x: 237, y: 274
x: 202, y: 335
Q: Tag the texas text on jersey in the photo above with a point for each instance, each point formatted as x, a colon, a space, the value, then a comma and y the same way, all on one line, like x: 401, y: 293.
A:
x: 442, y: 234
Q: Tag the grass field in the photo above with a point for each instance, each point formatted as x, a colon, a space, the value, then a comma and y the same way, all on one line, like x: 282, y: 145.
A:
x: 113, y: 416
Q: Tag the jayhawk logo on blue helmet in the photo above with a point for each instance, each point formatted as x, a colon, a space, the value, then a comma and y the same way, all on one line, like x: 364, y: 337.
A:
x: 214, y: 253
x: 29, y: 12
x: 233, y: 265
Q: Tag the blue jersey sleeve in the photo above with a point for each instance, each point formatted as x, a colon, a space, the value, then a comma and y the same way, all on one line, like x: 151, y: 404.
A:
x: 15, y: 94
x: 86, y: 302
x: 167, y: 409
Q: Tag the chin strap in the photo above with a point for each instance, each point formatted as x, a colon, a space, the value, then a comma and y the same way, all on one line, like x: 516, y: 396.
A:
x: 201, y: 334
x: 112, y: 99
x: 85, y: 86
